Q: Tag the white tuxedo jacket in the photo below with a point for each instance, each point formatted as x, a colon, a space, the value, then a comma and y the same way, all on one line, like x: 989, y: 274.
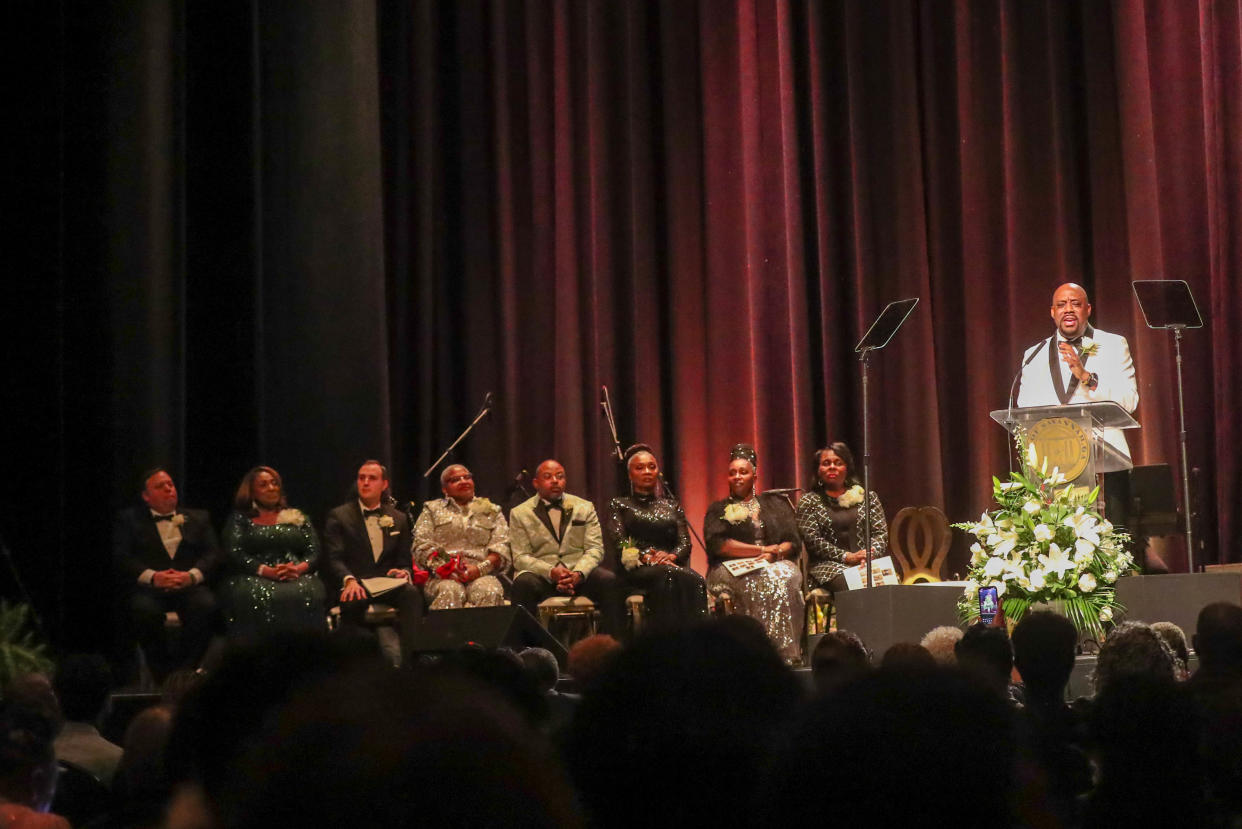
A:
x: 536, y: 550
x: 1112, y: 364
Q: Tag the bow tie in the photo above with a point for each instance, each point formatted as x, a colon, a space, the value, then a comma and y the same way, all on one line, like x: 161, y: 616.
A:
x: 367, y: 513
x: 159, y: 518
x: 555, y: 505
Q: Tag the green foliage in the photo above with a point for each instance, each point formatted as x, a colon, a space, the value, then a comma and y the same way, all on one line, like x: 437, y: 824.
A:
x: 20, y: 651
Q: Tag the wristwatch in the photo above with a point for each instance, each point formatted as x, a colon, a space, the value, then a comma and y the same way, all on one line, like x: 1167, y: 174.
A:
x: 1093, y: 381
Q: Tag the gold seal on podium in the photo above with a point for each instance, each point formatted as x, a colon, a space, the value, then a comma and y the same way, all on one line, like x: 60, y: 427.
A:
x: 1063, y: 443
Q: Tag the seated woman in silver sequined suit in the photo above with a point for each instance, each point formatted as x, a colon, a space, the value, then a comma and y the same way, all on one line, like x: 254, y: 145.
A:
x: 273, y: 553
x: 829, y: 519
x: 468, y: 532
x: 649, y: 537
x: 750, y: 526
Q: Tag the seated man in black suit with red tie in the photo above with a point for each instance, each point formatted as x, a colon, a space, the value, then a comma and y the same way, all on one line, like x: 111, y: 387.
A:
x: 165, y: 554
x: 366, y: 538
x: 557, y: 546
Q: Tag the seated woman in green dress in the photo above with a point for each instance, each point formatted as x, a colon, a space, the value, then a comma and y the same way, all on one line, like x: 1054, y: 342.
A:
x: 273, y: 552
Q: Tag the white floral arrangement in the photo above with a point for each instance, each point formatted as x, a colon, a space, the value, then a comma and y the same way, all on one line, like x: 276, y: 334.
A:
x: 481, y: 506
x: 851, y: 497
x: 291, y: 516
x: 631, y: 556
x: 178, y: 519
x: 1046, y: 544
x: 1089, y: 347
x: 385, y: 521
x: 736, y: 513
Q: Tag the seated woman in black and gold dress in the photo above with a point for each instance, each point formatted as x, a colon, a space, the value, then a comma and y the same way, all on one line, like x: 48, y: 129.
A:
x: 830, y: 519
x: 747, y: 525
x: 649, y: 537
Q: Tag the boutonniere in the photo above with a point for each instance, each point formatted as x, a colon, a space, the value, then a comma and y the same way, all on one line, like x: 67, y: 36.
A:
x: 851, y: 496
x: 736, y: 513
x: 1089, y: 347
x: 385, y: 521
x: 178, y: 520
x: 291, y: 516
x: 629, y: 554
x: 481, y: 506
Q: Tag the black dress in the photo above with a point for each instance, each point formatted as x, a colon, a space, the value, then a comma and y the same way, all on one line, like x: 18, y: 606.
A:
x: 639, y: 524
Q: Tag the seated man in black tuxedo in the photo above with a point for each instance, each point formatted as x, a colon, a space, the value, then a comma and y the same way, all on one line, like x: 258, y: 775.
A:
x: 165, y: 555
x: 557, y: 546
x: 370, y: 537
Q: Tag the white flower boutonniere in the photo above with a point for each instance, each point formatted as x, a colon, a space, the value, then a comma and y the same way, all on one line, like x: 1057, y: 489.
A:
x: 630, y: 554
x: 385, y: 521
x: 851, y: 496
x: 291, y: 516
x: 178, y: 520
x: 736, y: 513
x: 481, y: 506
x: 1089, y: 347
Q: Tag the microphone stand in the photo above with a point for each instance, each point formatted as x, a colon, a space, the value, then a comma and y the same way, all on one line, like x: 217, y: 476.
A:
x: 605, y: 403
x: 1009, y: 421
x: 487, y: 407
x: 669, y: 491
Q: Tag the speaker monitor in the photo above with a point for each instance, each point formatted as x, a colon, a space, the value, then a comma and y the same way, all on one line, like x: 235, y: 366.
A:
x: 507, y: 626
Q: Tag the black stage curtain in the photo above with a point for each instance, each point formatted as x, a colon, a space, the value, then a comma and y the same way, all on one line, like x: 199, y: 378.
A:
x: 307, y: 234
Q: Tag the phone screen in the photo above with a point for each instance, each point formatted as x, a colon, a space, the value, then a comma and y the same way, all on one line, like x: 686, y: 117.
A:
x: 989, y: 604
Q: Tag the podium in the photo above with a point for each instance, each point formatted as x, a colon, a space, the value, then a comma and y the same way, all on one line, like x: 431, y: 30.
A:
x: 1069, y: 437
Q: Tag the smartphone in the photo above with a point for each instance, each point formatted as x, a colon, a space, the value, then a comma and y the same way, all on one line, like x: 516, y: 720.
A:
x: 989, y: 604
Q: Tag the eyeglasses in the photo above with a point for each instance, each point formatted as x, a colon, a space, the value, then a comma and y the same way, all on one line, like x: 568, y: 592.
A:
x: 457, y: 479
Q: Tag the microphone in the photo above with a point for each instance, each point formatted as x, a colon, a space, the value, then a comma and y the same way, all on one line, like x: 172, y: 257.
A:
x: 1014, y: 385
x: 518, y: 478
x: 488, y: 400
x: 787, y: 490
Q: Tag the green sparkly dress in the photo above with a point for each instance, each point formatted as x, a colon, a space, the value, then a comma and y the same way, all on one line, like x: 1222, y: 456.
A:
x: 254, y: 605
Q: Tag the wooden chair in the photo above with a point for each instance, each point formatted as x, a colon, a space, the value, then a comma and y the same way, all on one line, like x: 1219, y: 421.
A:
x: 919, y: 539
x: 569, y: 618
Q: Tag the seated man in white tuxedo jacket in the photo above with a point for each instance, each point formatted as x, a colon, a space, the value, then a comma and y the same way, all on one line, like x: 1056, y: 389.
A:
x: 1079, y: 364
x: 557, y: 546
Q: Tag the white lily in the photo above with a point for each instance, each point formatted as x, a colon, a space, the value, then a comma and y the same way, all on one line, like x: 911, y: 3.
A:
x: 1056, y: 561
x: 1043, y: 532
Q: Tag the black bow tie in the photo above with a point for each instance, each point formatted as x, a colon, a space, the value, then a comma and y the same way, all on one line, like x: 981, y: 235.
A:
x: 159, y: 518
x: 555, y: 505
x: 367, y: 513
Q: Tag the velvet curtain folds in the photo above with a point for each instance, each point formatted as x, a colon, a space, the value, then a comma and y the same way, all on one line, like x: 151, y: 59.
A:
x: 303, y: 234
x: 703, y: 205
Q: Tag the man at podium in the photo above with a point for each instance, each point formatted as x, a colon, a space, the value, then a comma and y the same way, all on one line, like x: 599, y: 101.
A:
x: 1079, y: 364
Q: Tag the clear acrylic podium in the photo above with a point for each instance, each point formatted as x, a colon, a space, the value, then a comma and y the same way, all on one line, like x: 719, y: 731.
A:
x: 1069, y: 436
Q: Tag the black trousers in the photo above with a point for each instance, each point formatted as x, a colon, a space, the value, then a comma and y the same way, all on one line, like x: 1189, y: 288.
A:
x: 197, y: 608
x: 407, y: 600
x: 600, y: 586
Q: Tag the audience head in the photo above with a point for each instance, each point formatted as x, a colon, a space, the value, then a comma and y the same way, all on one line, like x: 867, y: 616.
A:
x: 895, y: 725
x: 1175, y: 638
x: 82, y: 684
x: 141, y: 777
x: 667, y: 702
x: 1132, y: 649
x: 839, y: 657
x: 504, y: 672
x: 372, y: 483
x: 907, y: 656
x: 33, y: 690
x: 457, y: 483
x: 643, y: 468
x: 1044, y: 644
x: 1218, y: 638
x: 436, y: 747
x: 261, y: 488
x: 542, y: 666
x: 940, y: 643
x: 177, y: 685
x: 834, y: 467
x: 158, y: 491
x: 549, y: 480
x: 27, y: 761
x: 987, y: 653
x: 590, y: 657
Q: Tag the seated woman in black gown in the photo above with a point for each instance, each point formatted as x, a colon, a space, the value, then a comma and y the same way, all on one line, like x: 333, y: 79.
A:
x: 750, y: 526
x: 828, y: 519
x: 273, y: 552
x: 651, y: 540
